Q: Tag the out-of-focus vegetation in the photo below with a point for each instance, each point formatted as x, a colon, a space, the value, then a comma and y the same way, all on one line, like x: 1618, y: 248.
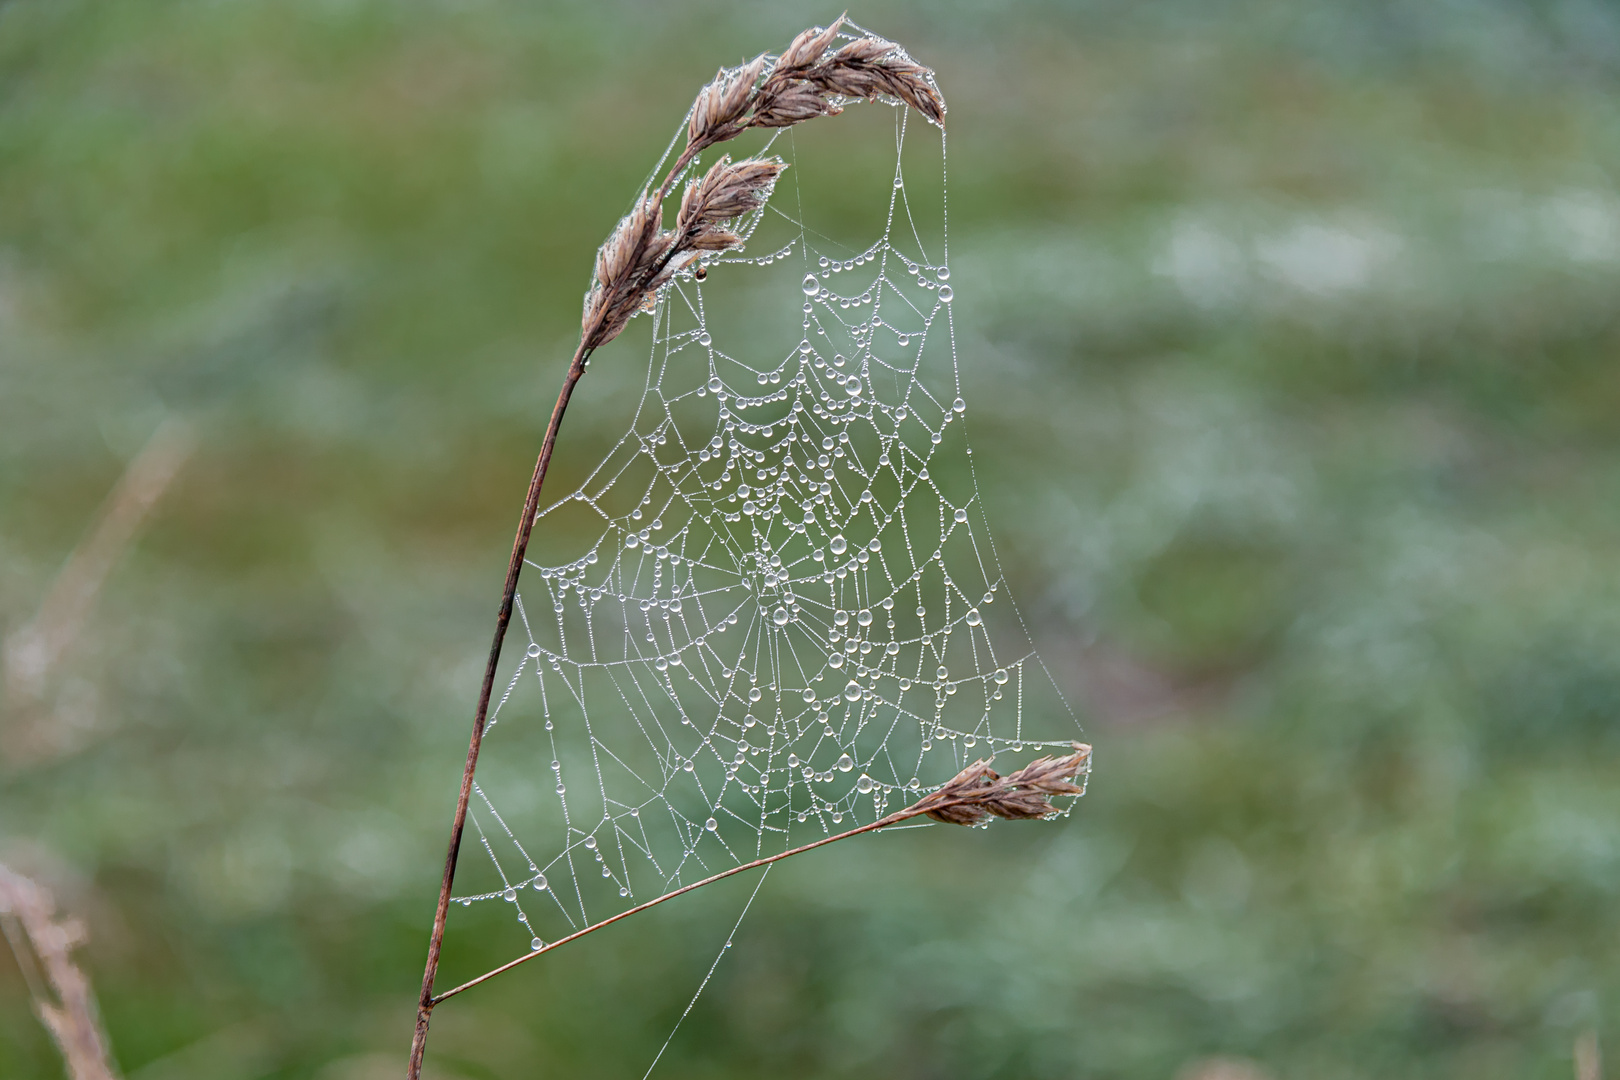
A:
x: 1291, y: 334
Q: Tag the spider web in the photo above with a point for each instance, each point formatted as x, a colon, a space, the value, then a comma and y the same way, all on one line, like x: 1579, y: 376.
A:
x: 772, y: 611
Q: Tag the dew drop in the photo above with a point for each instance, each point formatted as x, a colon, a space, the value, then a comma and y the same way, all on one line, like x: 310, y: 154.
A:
x: 590, y: 842
x: 540, y: 883
x: 852, y: 692
x: 536, y: 944
x: 853, y: 387
x: 864, y: 618
x: 705, y: 339
x: 510, y: 895
x: 711, y: 825
x: 812, y: 285
x: 1001, y: 675
x: 973, y: 618
x: 534, y: 651
x: 945, y: 294
x: 714, y: 384
x: 838, y: 545
x: 958, y: 405
x: 809, y: 697
x: 780, y: 618
x: 960, y: 515
x: 865, y: 784
x: 944, y: 672
x: 754, y: 694
x: 846, y: 763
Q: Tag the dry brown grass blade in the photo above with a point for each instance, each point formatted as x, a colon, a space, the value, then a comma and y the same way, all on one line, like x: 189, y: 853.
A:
x: 63, y: 999
x: 32, y: 728
x: 977, y: 790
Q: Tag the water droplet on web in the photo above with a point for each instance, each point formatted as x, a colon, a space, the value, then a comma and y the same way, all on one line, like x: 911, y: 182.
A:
x: 804, y: 346
x: 899, y: 183
x: 944, y: 273
x: 852, y: 692
x: 970, y: 742
x: 590, y: 842
x: 754, y: 694
x: 837, y: 816
x: 715, y: 384
x: 864, y: 618
x: 1001, y: 675
x: 823, y: 262
x: 960, y: 515
x: 838, y: 545
x: 711, y: 825
x: 846, y: 763
x: 812, y: 285
x: 944, y: 672
x: 973, y: 618
x: 540, y: 883
x: 536, y: 944
x: 945, y: 294
x: 510, y: 895
x: 865, y: 784
x: 780, y: 618
x: 468, y: 901
x: 705, y: 340
x: 534, y: 652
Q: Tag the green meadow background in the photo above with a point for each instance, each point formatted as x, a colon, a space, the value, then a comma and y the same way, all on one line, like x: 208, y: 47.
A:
x: 1290, y: 332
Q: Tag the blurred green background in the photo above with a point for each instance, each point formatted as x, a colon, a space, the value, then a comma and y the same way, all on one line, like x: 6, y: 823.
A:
x: 1290, y: 331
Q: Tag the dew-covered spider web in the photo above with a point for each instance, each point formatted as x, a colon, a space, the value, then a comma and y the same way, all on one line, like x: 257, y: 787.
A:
x: 772, y: 611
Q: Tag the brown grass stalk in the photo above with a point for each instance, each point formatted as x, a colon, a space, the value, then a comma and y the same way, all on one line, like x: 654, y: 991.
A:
x: 973, y: 797
x: 30, y: 655
x: 640, y: 257
x: 62, y: 995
